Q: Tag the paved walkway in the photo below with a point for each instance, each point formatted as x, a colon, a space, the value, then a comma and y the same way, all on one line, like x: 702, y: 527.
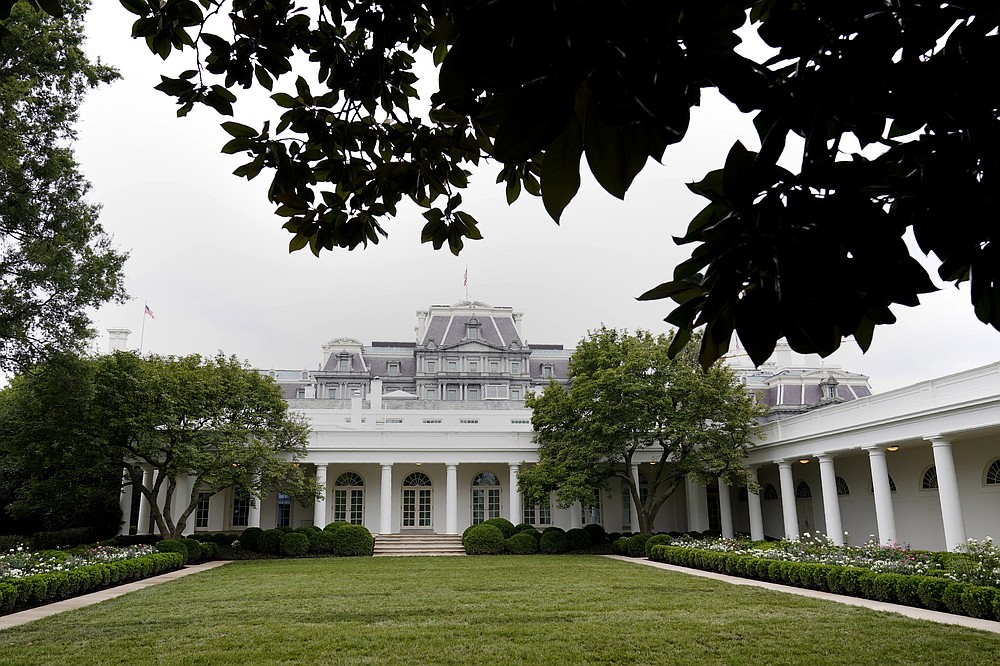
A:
x: 908, y: 611
x: 32, y: 614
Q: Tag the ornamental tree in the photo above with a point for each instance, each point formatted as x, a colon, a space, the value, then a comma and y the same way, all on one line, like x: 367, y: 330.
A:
x: 628, y: 402
x: 210, y: 419
x: 894, y: 124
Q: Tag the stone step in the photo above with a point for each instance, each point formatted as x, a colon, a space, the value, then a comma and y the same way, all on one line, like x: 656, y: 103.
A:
x: 418, y: 544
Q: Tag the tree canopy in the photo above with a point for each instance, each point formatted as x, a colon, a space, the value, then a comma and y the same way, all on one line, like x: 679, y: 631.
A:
x: 180, y: 417
x: 897, y: 122
x: 629, y: 402
x: 55, y: 258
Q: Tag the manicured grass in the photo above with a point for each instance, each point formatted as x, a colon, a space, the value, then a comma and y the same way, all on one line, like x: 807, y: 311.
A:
x: 462, y: 610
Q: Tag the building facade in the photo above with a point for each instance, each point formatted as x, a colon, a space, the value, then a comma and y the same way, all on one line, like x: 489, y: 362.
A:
x: 430, y: 435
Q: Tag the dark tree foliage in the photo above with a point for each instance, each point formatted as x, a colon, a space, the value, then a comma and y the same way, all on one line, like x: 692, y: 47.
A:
x: 891, y: 98
x: 55, y: 259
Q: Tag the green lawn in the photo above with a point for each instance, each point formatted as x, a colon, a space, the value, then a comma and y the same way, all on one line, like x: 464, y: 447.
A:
x: 462, y: 610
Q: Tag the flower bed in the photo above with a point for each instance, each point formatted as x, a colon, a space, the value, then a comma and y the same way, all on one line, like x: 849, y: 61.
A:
x: 951, y: 582
x: 30, y: 579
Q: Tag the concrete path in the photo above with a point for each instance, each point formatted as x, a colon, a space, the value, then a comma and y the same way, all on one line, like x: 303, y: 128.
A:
x: 32, y: 614
x: 908, y: 611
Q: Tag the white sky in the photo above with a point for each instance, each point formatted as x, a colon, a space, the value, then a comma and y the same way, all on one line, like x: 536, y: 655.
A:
x: 211, y: 259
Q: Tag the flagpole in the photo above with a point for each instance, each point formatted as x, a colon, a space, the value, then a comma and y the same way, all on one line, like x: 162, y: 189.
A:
x: 142, y: 331
x: 466, y: 282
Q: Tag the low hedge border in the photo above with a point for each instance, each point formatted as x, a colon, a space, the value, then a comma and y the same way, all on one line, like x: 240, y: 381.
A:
x: 17, y: 594
x: 930, y: 592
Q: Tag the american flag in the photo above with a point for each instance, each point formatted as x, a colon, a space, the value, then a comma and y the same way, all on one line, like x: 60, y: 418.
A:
x: 465, y: 280
x: 149, y: 312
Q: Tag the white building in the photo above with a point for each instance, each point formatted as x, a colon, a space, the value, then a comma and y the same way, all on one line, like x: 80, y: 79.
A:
x: 429, y: 436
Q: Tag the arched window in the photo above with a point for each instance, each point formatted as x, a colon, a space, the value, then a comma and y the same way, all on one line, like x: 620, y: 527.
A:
x: 842, y: 487
x: 929, y: 481
x: 417, y: 501
x: 485, y: 497
x: 802, y: 491
x: 993, y: 473
x: 768, y: 492
x: 349, y: 499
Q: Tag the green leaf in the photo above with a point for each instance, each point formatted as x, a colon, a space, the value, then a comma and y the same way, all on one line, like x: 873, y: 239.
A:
x: 137, y: 7
x: 561, y: 170
x: 286, y: 101
x: 238, y: 130
x: 263, y: 78
x: 298, y: 242
x: 51, y: 7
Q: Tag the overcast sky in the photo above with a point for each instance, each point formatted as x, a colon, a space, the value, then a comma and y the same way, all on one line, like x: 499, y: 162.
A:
x: 211, y: 260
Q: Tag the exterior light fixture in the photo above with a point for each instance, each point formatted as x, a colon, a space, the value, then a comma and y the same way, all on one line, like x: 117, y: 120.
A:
x: 892, y: 448
x: 419, y: 464
x: 804, y: 461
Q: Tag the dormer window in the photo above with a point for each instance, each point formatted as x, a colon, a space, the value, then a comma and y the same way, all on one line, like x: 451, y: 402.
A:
x: 343, y: 363
x: 829, y: 388
x: 472, y: 329
x: 546, y: 371
x: 392, y: 369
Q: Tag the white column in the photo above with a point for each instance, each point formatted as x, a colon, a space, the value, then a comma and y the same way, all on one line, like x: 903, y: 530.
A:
x: 884, y: 515
x: 726, y: 510
x: 147, y: 480
x: 633, y: 504
x: 253, y: 519
x: 125, y: 502
x: 515, y: 496
x: 788, y: 511
x: 697, y: 506
x: 319, y: 509
x: 574, y: 515
x: 385, y: 508
x: 451, y: 498
x: 831, y: 501
x: 756, y: 515
x: 951, y: 503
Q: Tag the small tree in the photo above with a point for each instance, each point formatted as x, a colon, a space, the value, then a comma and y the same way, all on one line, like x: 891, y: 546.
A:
x: 628, y: 399
x: 71, y: 427
x: 216, y: 420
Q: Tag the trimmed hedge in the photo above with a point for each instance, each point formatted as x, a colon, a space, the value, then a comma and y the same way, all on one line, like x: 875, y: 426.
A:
x: 270, y: 541
x: 505, y: 526
x: 353, y: 541
x: 930, y: 592
x: 174, y: 546
x: 485, y: 539
x: 596, y: 532
x: 321, y: 543
x: 578, y: 539
x: 522, y: 543
x: 553, y: 542
x: 250, y: 538
x: 637, y: 545
x: 295, y: 544
x: 17, y: 594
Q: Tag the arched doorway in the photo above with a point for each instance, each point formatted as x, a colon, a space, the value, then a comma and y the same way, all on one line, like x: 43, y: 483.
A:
x: 485, y: 497
x: 418, y: 494
x: 349, y: 499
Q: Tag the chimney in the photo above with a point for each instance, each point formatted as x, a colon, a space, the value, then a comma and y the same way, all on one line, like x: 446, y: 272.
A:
x: 421, y: 325
x: 117, y: 339
x: 375, y: 396
x: 356, y: 409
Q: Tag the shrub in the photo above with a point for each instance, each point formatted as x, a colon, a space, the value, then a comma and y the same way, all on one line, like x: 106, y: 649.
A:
x: 886, y: 587
x: 134, y: 540
x: 522, y: 543
x: 72, y: 536
x: 637, y: 545
x: 553, y: 542
x: 906, y: 590
x: 577, y: 539
x: 333, y: 527
x: 209, y: 551
x: 620, y: 545
x: 321, y: 542
x: 485, y: 539
x: 931, y: 592
x: 270, y: 541
x: 656, y: 540
x: 285, y: 528
x: 307, y: 530
x: 553, y: 528
x: 532, y: 532
x: 173, y: 546
x: 977, y: 601
x: 250, y: 538
x: 596, y: 533
x: 523, y: 527
x: 195, y: 555
x: 614, y: 536
x: 294, y: 544
x: 353, y: 541
x: 506, y: 527
x: 850, y: 580
x: 952, y: 597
